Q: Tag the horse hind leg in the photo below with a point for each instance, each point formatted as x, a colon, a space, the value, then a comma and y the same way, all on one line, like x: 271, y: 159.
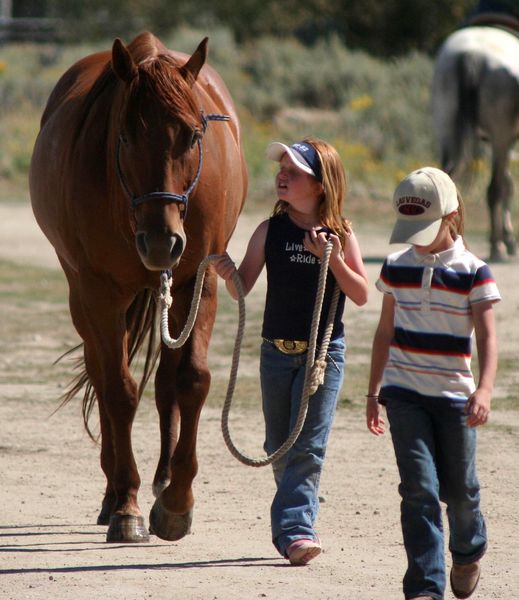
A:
x: 452, y: 116
x: 499, y: 194
x: 497, y: 248
x: 508, y: 233
x: 509, y: 238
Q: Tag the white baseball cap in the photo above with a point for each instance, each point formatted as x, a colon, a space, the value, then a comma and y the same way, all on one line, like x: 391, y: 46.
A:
x: 420, y: 201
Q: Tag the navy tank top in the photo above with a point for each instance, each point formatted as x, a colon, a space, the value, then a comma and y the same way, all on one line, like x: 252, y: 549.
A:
x: 292, y: 281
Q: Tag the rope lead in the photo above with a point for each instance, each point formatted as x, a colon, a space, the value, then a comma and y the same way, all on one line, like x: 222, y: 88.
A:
x: 314, y: 370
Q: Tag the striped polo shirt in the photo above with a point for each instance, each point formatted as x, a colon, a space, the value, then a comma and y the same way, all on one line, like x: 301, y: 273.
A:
x: 431, y: 349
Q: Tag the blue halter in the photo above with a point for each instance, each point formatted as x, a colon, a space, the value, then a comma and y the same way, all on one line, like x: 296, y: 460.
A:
x: 181, y: 199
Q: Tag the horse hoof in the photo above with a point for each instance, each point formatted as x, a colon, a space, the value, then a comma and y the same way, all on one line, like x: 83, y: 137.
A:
x: 168, y: 525
x: 127, y: 529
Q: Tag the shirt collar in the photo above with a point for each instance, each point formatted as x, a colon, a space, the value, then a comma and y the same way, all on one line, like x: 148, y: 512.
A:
x: 441, y: 258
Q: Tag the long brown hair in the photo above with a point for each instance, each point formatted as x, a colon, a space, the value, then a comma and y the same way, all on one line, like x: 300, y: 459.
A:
x: 334, y: 190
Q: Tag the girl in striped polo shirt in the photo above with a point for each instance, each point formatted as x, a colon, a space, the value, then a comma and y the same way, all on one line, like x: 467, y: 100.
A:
x: 436, y: 294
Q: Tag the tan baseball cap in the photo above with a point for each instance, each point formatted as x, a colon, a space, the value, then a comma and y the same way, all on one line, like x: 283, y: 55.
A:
x: 420, y: 201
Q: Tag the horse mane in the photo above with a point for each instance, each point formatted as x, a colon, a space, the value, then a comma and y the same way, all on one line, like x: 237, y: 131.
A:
x: 160, y: 78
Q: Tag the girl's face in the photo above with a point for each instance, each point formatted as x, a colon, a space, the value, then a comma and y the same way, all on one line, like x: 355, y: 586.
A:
x: 299, y: 189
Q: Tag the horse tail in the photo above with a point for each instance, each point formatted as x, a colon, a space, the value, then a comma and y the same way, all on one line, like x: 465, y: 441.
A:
x: 468, y: 71
x: 141, y: 319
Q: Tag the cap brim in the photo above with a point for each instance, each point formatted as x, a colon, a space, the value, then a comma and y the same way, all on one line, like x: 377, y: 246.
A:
x: 276, y: 150
x: 420, y: 233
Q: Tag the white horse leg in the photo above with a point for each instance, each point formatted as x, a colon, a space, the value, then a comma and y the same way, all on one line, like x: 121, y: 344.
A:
x: 508, y: 233
x: 499, y: 195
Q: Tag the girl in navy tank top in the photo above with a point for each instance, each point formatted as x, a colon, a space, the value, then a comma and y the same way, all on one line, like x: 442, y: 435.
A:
x: 311, y: 189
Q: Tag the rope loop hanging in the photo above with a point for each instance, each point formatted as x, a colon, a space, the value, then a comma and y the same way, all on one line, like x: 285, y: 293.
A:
x: 314, y: 368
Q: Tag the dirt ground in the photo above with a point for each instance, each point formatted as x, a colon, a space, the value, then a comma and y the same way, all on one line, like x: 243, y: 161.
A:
x: 51, y: 488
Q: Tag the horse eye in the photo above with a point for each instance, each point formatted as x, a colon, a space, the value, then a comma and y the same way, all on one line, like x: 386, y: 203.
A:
x: 195, y: 136
x: 124, y: 138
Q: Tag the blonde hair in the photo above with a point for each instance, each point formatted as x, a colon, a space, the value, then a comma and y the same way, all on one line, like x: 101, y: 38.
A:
x: 333, y: 179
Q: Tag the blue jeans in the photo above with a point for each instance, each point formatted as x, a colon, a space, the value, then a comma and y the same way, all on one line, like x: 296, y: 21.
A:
x: 297, y: 474
x: 436, y: 457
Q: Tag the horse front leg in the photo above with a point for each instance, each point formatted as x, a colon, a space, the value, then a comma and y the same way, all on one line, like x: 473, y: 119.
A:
x: 107, y: 465
x: 120, y: 403
x: 169, y: 421
x: 182, y: 385
x: 99, y: 316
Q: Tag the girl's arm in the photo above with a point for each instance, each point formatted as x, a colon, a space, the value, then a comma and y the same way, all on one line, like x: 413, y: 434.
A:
x: 379, y: 354
x: 345, y: 263
x: 478, y: 404
x: 251, y: 265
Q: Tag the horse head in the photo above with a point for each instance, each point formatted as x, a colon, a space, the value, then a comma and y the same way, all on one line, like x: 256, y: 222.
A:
x: 159, y: 149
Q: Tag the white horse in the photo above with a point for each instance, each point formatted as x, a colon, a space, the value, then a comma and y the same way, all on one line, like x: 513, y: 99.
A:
x: 475, y: 95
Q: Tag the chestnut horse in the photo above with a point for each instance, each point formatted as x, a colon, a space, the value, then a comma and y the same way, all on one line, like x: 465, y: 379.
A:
x: 130, y: 176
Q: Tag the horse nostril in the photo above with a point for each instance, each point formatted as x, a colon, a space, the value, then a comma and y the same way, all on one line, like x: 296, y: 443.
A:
x: 142, y: 246
x: 177, y: 246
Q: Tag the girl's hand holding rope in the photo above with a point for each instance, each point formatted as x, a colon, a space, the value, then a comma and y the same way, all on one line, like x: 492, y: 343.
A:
x: 224, y: 266
x: 226, y: 269
x: 316, y: 239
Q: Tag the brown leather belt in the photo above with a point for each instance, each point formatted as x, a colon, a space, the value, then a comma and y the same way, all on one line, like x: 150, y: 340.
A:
x: 290, y: 346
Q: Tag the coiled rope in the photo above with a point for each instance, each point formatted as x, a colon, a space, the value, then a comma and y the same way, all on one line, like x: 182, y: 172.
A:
x: 314, y: 369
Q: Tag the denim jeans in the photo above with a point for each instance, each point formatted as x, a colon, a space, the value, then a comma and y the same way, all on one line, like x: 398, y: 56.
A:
x: 436, y: 457
x: 297, y: 474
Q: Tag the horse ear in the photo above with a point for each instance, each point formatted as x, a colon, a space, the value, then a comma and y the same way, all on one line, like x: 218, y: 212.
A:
x: 191, y: 69
x: 122, y: 62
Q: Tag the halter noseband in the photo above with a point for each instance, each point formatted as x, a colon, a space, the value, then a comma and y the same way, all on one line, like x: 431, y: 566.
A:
x: 181, y: 199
